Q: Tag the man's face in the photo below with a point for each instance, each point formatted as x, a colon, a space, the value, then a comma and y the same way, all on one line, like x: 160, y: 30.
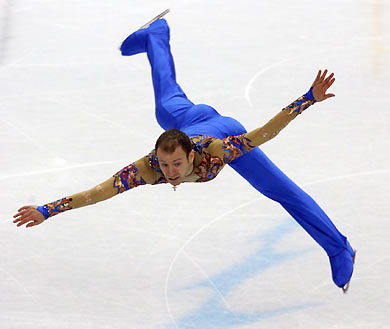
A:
x: 175, y: 166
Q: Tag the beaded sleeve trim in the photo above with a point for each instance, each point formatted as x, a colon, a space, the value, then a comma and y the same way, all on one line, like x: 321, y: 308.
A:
x: 153, y: 161
x: 127, y: 179
x: 54, y: 208
x: 204, y: 141
x: 235, y: 146
x: 302, y: 103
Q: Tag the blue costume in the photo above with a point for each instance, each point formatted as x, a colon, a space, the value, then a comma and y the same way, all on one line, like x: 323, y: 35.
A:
x: 175, y: 110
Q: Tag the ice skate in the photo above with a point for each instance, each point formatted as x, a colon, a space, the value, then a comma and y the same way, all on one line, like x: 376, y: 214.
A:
x: 346, y: 287
x: 342, y: 266
x: 154, y: 19
x: 135, y: 43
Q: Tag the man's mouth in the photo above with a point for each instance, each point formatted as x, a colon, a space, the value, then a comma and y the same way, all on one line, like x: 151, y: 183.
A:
x: 173, y: 179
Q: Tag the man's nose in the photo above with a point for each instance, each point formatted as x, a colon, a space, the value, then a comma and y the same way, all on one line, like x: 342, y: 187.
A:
x: 171, y: 170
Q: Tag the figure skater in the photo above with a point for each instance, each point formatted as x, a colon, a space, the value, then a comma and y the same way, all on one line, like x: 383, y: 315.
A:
x: 198, y: 142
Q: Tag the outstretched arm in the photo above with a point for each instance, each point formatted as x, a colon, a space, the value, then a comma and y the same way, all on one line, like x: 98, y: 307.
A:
x: 133, y: 175
x: 317, y: 93
x: 34, y: 215
x: 235, y: 146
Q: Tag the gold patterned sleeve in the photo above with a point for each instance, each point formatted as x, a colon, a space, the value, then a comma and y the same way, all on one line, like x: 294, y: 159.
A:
x: 280, y: 121
x: 136, y: 174
x: 232, y: 147
x: 270, y: 129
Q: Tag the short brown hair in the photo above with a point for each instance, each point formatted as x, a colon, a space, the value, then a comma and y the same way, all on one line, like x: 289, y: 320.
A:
x: 171, y: 139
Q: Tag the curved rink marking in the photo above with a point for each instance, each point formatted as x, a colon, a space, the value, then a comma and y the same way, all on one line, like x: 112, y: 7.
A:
x: 216, y: 219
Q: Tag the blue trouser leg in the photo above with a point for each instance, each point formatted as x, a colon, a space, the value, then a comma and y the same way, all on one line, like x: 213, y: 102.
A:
x: 268, y: 179
x: 170, y: 99
x: 175, y: 110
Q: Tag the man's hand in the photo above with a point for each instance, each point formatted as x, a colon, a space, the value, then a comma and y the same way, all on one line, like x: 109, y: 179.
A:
x: 29, y: 215
x: 321, y: 84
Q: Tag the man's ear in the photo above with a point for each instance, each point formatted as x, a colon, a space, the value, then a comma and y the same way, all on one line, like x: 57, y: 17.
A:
x: 191, y: 156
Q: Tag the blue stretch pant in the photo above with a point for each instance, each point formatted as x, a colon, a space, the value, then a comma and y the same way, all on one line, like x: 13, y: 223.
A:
x: 175, y: 110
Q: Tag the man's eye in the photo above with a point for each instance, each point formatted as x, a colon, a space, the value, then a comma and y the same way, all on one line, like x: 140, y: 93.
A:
x: 164, y: 165
x: 178, y: 164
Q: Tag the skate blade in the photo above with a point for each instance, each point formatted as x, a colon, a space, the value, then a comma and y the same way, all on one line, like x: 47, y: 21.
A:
x: 346, y: 287
x: 155, y: 19
x: 150, y: 22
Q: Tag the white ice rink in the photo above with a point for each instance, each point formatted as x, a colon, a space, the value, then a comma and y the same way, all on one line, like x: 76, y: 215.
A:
x: 217, y: 255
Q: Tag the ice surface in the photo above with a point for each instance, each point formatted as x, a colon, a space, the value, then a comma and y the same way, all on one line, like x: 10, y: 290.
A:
x: 73, y: 112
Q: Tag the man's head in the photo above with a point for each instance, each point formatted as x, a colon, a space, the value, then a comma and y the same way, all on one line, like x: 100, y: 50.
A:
x: 175, y: 155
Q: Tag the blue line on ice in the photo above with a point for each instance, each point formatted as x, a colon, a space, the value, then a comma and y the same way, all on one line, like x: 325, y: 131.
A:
x: 213, y: 313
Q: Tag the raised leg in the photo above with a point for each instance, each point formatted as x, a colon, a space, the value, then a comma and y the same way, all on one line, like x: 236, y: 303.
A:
x: 171, y: 101
x: 264, y: 176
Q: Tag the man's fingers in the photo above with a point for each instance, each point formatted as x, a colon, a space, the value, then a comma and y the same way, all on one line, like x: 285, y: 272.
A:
x: 322, y: 79
x: 24, y: 221
x: 329, y: 96
x: 20, y: 213
x: 24, y: 208
x: 323, y: 75
x: 20, y: 217
x: 24, y: 218
x: 330, y: 82
x: 322, y: 84
x: 318, y: 76
x: 329, y: 78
